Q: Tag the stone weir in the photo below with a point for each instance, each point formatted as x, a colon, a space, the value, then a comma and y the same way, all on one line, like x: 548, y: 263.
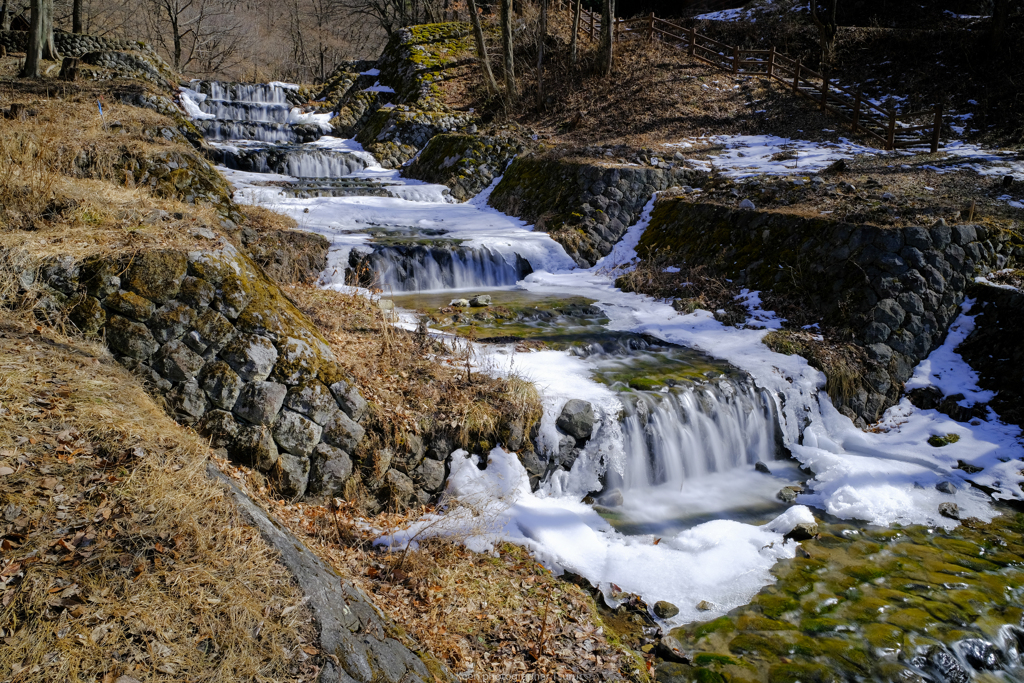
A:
x: 230, y: 354
x: 894, y: 291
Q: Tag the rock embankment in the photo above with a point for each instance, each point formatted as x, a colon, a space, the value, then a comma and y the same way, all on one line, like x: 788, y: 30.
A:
x: 895, y: 291
x: 585, y: 205
x: 229, y: 353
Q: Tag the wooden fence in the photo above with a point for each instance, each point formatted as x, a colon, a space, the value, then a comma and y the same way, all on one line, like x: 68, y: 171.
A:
x: 854, y: 108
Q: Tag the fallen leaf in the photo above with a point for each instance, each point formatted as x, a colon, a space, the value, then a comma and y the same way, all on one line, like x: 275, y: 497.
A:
x: 5, y: 471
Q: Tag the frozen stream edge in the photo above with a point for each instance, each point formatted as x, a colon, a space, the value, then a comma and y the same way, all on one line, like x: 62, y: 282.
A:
x: 882, y: 478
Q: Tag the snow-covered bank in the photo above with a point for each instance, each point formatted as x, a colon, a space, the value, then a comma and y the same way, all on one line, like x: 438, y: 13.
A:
x: 721, y: 563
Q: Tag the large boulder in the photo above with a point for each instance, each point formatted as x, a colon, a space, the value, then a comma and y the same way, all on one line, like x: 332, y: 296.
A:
x: 577, y: 419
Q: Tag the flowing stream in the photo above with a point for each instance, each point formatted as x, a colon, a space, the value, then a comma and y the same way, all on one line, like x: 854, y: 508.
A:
x: 685, y: 446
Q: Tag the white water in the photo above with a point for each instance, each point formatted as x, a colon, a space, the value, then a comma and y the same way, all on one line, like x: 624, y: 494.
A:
x: 433, y: 268
x: 680, y: 435
x: 883, y: 477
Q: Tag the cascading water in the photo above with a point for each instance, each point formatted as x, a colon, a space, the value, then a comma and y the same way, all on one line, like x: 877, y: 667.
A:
x: 689, y: 432
x: 292, y: 160
x: 251, y: 111
x: 435, y: 267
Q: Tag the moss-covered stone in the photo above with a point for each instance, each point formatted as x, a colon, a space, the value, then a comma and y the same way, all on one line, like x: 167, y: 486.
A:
x: 88, y: 315
x: 130, y: 305
x: 157, y: 275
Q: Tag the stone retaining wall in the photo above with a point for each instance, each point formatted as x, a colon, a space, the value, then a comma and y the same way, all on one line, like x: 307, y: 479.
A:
x: 894, y: 290
x: 585, y: 205
x: 466, y: 163
x: 230, y: 354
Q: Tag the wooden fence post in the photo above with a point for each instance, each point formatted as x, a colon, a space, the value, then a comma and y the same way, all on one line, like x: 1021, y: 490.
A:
x: 771, y: 63
x: 937, y: 126
x: 650, y: 29
x: 856, y: 111
x: 796, y: 77
x: 736, y: 59
x: 591, y: 25
x: 890, y: 138
x: 693, y: 40
x: 824, y: 89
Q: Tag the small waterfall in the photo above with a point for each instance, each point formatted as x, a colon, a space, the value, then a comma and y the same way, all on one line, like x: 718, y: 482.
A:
x: 264, y: 112
x: 418, y: 268
x: 691, y: 431
x: 299, y: 162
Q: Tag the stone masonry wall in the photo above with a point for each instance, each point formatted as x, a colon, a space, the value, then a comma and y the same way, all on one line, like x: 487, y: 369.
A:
x: 586, y: 206
x: 895, y: 290
x: 230, y: 354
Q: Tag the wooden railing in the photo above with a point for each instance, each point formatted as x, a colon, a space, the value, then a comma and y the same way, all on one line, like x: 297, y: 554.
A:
x: 884, y: 126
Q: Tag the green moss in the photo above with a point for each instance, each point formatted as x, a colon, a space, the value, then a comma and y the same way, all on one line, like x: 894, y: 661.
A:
x: 720, y: 625
x: 910, y: 619
x: 820, y: 625
x: 800, y: 673
x: 755, y: 645
x: 754, y: 622
x: 708, y: 659
x: 939, y: 441
x: 707, y: 676
x: 883, y: 636
x: 773, y: 606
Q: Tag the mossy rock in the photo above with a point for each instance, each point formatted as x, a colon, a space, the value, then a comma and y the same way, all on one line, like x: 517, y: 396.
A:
x: 801, y: 673
x: 157, y: 275
x: 753, y: 622
x: 754, y: 645
x: 719, y: 625
x: 774, y: 606
x: 884, y: 636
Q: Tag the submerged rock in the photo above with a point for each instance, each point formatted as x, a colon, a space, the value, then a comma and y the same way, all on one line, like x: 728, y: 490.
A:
x: 789, y: 493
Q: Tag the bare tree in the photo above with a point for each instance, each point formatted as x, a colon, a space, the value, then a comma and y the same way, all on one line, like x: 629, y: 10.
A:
x: 577, y: 11
x: 481, y: 50
x: 607, y: 48
x: 506, y: 45
x: 197, y: 33
x: 828, y: 29
x: 76, y: 16
x: 542, y: 36
x: 5, y: 15
x: 1001, y: 10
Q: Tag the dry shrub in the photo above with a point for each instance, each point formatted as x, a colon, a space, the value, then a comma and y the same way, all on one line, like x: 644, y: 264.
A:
x: 843, y: 364
x: 120, y: 555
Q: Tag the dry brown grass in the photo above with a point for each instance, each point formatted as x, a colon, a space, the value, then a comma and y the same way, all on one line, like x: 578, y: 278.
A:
x: 47, y: 209
x: 500, y: 614
x: 414, y: 384
x: 119, y: 555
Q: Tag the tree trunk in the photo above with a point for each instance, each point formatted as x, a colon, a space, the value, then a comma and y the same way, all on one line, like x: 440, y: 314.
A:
x: 5, y: 15
x: 1000, y: 16
x: 34, y: 50
x: 541, y: 38
x: 506, y: 44
x: 576, y: 29
x: 76, y: 17
x: 607, y: 57
x: 827, y: 29
x: 49, y: 47
x: 481, y: 50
